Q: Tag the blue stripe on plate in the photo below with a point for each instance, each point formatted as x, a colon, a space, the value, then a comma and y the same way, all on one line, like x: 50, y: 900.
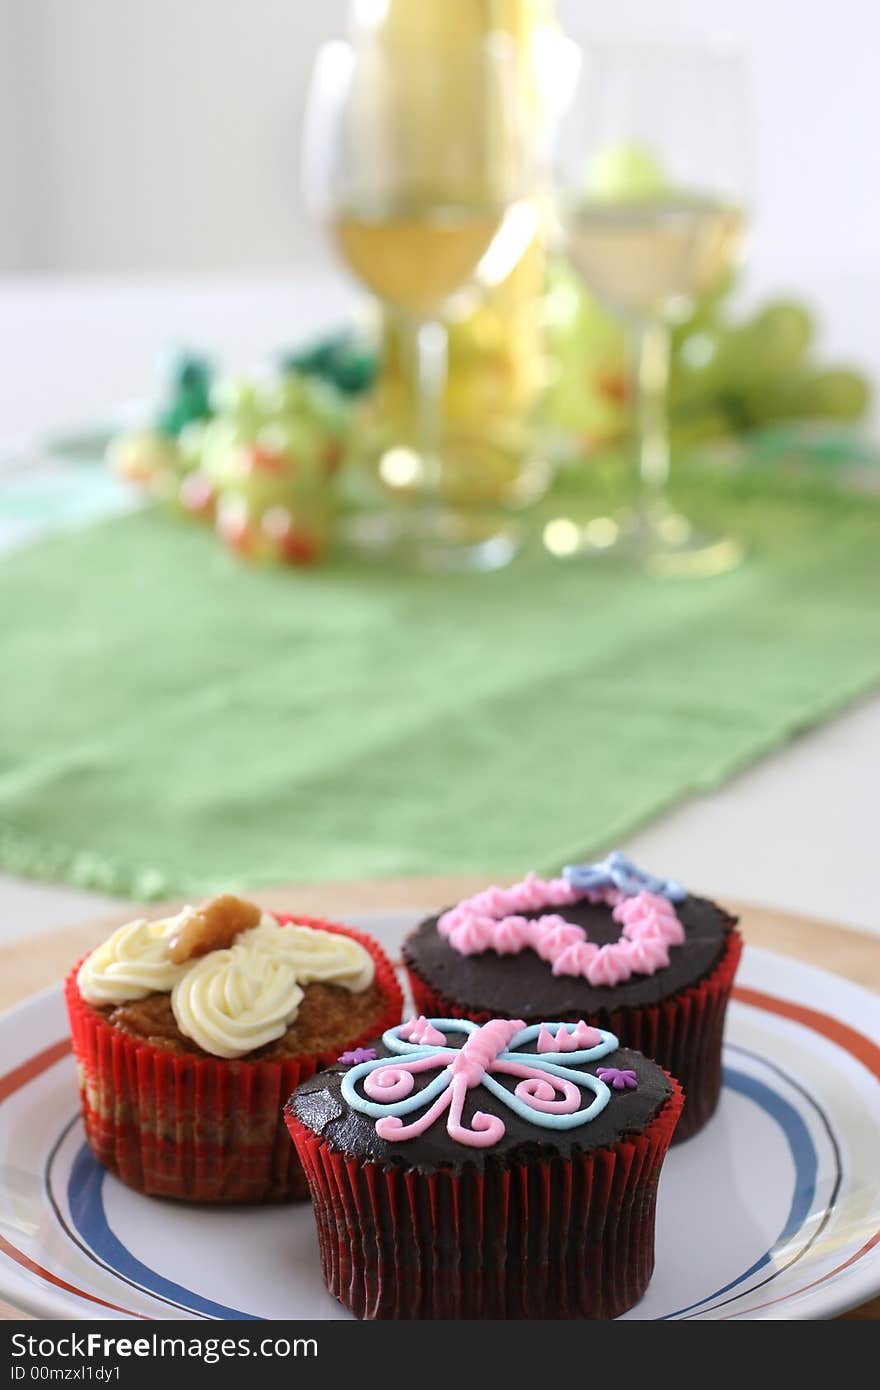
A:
x: 806, y: 1166
x: 86, y: 1201
x: 85, y: 1195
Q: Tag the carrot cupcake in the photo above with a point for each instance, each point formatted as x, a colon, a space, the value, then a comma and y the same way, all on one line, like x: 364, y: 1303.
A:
x: 501, y: 1171
x: 606, y: 942
x: 191, y: 1031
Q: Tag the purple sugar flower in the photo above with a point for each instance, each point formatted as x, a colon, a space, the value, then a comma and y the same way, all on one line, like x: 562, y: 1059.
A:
x: 618, y: 1080
x: 356, y: 1055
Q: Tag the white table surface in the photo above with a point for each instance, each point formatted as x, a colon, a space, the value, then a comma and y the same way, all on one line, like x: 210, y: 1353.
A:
x: 798, y: 831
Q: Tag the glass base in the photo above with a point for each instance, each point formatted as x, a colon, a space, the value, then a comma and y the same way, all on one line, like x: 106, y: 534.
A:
x: 658, y: 539
x: 433, y: 539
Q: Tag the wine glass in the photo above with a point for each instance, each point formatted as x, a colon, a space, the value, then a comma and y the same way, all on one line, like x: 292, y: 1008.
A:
x: 650, y: 171
x: 417, y: 169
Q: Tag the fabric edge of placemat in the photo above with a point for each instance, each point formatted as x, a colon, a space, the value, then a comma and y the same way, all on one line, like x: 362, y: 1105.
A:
x: 27, y: 856
x: 785, y: 732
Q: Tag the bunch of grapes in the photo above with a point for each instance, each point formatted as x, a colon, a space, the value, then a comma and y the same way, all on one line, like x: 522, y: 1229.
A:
x: 731, y: 377
x: 728, y: 377
x: 253, y: 456
x: 588, y: 387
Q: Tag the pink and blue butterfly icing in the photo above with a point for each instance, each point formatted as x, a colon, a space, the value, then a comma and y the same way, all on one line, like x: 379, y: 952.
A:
x: 643, y: 904
x: 549, y: 1090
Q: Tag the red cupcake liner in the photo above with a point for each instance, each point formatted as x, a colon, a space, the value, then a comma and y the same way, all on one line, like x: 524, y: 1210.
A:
x: 201, y: 1129
x: 547, y: 1238
x: 682, y: 1033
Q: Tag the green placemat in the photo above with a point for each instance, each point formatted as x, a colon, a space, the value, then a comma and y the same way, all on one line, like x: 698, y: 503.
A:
x: 171, y: 722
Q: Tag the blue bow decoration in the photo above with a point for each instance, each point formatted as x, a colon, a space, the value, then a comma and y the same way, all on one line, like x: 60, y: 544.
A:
x: 616, y: 871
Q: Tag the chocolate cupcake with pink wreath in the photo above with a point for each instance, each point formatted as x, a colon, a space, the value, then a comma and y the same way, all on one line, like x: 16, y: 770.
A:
x: 625, y: 950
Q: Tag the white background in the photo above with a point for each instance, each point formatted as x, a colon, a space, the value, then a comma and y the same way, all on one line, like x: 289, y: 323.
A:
x: 163, y: 135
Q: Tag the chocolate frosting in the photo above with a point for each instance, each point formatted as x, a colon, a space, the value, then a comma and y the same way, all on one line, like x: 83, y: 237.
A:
x: 524, y: 986
x: 319, y: 1104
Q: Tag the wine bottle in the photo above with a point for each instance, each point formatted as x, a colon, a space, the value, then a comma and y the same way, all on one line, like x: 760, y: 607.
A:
x: 496, y: 358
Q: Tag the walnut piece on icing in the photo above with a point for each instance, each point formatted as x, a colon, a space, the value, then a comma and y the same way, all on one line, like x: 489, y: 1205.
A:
x: 212, y: 926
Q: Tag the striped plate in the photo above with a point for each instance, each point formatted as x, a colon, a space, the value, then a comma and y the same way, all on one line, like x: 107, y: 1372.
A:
x: 772, y: 1212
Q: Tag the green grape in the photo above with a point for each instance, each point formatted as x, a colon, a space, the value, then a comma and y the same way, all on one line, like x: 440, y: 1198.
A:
x: 330, y: 419
x: 737, y: 366
x: 705, y: 371
x: 191, y: 444
x: 197, y: 497
x: 834, y: 393
x: 579, y: 329
x: 840, y: 394
x: 779, y: 335
x: 222, y: 445
x: 143, y: 457
x: 295, y: 395
x: 699, y: 352
x: 783, y: 397
x: 286, y: 394
x: 740, y: 362
x: 706, y: 309
x: 240, y: 398
x: 626, y: 173
x: 711, y: 422
x: 578, y: 403
x: 317, y: 396
x: 296, y: 438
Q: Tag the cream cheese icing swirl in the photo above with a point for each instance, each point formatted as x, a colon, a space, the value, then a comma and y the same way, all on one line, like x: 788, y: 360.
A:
x: 316, y: 955
x: 233, y: 1001
x: 132, y: 963
x: 229, y: 1001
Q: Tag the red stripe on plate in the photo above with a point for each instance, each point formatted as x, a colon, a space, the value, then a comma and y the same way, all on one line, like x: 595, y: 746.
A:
x: 32, y: 1067
x: 869, y: 1245
x: 11, y: 1082
x: 853, y: 1042
x: 21, y: 1259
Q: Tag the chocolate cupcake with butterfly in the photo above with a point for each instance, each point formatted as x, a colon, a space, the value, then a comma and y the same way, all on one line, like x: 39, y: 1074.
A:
x: 627, y: 951
x: 502, y: 1170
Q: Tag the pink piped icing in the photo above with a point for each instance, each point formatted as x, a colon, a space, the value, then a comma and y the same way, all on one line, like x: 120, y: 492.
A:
x: 510, y: 935
x: 648, y: 956
x: 612, y: 965
x: 581, y: 1036
x: 420, y: 1030
x: 481, y: 1049
x: 478, y: 1056
x: 647, y: 914
x: 492, y: 920
x: 556, y: 937
x: 575, y: 959
x: 547, y: 1092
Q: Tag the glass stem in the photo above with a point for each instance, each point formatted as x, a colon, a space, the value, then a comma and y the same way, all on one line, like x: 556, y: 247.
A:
x: 653, y: 354
x: 429, y: 352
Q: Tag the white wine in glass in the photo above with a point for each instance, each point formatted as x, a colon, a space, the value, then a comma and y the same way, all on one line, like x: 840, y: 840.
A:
x: 415, y: 253
x: 654, y: 256
x: 415, y: 235
x: 651, y: 183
